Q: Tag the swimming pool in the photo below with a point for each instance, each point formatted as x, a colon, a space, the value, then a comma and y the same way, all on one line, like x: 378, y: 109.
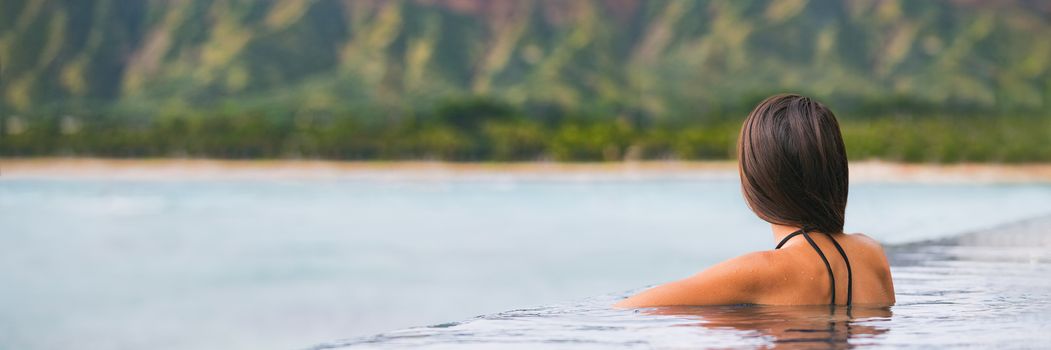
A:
x: 987, y: 289
x: 104, y: 263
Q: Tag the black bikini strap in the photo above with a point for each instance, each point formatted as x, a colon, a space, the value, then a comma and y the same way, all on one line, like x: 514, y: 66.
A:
x: 831, y: 277
x: 828, y: 267
x: 850, y: 272
x: 790, y: 235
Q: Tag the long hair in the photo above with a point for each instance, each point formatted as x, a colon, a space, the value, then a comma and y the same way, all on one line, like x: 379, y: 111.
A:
x: 793, y: 164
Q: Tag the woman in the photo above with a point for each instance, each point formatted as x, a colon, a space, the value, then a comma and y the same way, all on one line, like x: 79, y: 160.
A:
x: 793, y: 168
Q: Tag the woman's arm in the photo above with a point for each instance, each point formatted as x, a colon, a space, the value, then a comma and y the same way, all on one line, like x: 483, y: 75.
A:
x: 736, y: 281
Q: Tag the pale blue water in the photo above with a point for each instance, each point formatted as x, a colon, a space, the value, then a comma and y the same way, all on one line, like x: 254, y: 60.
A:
x: 271, y: 264
x: 990, y: 289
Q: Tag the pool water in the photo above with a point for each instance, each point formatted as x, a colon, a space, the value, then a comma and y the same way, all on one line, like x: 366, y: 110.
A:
x: 989, y: 289
x: 169, y: 263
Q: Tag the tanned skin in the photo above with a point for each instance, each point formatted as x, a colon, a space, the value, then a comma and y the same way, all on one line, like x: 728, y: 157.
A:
x: 792, y: 275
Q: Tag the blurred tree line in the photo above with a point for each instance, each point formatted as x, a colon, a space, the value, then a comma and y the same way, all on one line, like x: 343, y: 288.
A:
x: 487, y: 129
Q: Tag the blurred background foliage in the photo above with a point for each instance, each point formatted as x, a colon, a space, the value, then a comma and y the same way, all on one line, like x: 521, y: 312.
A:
x: 513, y: 80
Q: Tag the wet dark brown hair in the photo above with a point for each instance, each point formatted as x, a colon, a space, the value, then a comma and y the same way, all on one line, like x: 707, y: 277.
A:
x: 793, y: 164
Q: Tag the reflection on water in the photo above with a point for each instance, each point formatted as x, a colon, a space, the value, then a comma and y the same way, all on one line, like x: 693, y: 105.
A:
x: 790, y: 327
x: 594, y: 324
x: 987, y: 289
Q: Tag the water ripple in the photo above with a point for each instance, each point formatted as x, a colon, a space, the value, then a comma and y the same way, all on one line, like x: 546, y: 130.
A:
x: 985, y: 289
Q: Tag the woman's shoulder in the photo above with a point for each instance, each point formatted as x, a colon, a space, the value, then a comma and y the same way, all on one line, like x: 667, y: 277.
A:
x: 867, y: 245
x: 878, y: 265
x: 871, y: 251
x: 865, y: 239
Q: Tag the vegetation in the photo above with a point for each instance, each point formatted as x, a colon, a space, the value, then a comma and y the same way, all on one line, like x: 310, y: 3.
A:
x: 483, y: 130
x: 474, y: 80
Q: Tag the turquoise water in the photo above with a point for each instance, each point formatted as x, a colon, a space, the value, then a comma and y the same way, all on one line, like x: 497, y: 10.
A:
x: 274, y: 264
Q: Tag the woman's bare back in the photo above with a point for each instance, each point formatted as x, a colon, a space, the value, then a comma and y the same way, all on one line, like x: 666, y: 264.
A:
x: 792, y: 275
x: 805, y: 278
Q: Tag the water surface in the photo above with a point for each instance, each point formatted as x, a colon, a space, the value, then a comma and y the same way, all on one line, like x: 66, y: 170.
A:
x: 989, y: 289
x: 277, y: 264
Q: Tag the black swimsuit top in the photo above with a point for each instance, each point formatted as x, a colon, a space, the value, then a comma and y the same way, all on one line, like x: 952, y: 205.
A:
x: 831, y: 277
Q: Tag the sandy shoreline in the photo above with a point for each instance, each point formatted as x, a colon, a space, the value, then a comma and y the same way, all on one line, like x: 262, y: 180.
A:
x: 205, y: 169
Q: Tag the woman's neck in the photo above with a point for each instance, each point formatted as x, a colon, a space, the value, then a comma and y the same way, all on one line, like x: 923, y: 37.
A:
x: 782, y: 231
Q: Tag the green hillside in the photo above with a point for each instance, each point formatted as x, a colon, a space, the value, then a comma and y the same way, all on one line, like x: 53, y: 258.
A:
x: 474, y: 80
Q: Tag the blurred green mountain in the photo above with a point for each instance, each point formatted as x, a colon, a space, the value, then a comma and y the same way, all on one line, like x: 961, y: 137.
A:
x: 660, y: 59
x: 517, y: 79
